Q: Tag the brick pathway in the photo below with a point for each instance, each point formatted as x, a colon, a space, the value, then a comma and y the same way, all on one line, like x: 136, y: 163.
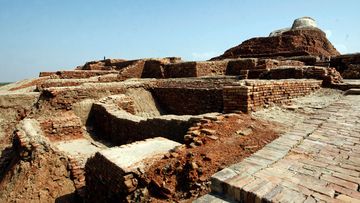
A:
x: 318, y: 161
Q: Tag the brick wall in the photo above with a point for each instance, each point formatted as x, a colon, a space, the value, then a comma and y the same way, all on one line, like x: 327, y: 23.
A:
x: 120, y: 127
x: 194, y: 69
x: 64, y: 97
x: 76, y: 74
x: 105, y: 182
x: 61, y: 126
x: 193, y: 101
x: 342, y: 62
x: 191, y: 96
x: 256, y: 94
x: 352, y: 72
x: 235, y: 67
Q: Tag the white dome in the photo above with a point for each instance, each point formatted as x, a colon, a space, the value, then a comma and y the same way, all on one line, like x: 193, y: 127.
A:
x: 304, y: 22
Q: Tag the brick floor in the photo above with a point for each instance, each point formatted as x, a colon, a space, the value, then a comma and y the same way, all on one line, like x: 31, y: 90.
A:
x: 318, y: 161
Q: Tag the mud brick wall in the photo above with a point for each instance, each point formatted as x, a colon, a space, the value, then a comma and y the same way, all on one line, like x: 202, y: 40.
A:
x: 61, y: 126
x: 133, y: 70
x: 124, y: 128
x: 76, y: 74
x: 344, y: 62
x: 209, y: 82
x: 192, y: 101
x: 45, y: 74
x: 64, y: 97
x: 77, y: 170
x: 62, y: 83
x: 145, y: 68
x: 256, y: 94
x: 195, y: 69
x: 105, y: 180
x: 235, y: 67
x: 210, y: 68
x: 352, y: 72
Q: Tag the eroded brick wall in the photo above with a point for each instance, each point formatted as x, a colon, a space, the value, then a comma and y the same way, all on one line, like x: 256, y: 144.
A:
x: 191, y: 69
x: 191, y: 96
x: 76, y: 74
x: 256, y: 94
x: 64, y: 97
x: 193, y: 101
x: 122, y: 128
x: 342, y: 62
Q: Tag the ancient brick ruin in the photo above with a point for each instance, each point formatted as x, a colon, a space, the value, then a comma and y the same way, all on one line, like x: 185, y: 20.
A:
x: 164, y: 129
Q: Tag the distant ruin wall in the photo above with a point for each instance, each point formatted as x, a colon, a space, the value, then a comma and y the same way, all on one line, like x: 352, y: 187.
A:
x: 348, y: 65
x: 76, y: 74
x: 156, y: 69
x: 257, y: 94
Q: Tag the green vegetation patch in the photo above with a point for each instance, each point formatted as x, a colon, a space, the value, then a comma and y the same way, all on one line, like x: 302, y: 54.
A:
x: 4, y: 83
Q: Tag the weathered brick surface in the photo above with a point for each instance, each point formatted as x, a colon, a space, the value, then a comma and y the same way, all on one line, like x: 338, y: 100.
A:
x: 195, y: 69
x: 256, y: 94
x: 64, y: 97
x: 197, y: 96
x: 320, y: 163
x: 193, y: 100
x: 76, y: 74
x: 114, y: 173
x: 61, y: 126
x: 235, y: 66
x: 352, y: 72
x: 298, y: 42
x: 344, y: 62
x: 120, y: 127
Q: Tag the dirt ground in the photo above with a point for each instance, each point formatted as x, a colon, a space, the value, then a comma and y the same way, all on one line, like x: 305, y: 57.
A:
x: 185, y: 174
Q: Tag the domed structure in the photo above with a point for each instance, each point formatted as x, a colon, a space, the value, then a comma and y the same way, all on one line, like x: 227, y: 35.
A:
x: 304, y: 22
x: 302, y: 39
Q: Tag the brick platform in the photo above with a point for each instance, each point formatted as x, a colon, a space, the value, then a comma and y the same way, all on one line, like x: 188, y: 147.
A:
x: 318, y: 161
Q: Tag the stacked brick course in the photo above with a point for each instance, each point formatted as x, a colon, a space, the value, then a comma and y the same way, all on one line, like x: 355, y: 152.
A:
x: 343, y: 62
x: 255, y: 94
x: 112, y: 174
x: 64, y: 97
x: 235, y: 67
x: 195, y: 69
x: 193, y: 100
x: 120, y: 127
x: 76, y: 74
x: 62, y: 126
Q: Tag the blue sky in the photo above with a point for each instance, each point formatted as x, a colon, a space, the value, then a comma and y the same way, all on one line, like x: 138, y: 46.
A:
x: 49, y: 35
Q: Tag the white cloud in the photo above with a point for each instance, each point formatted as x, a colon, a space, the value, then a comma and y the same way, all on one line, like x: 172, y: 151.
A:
x: 328, y: 33
x: 203, y: 56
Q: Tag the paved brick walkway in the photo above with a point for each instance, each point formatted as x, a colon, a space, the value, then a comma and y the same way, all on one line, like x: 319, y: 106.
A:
x: 318, y: 161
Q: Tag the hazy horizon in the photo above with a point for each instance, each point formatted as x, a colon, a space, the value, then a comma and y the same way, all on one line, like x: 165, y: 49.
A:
x: 60, y: 35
